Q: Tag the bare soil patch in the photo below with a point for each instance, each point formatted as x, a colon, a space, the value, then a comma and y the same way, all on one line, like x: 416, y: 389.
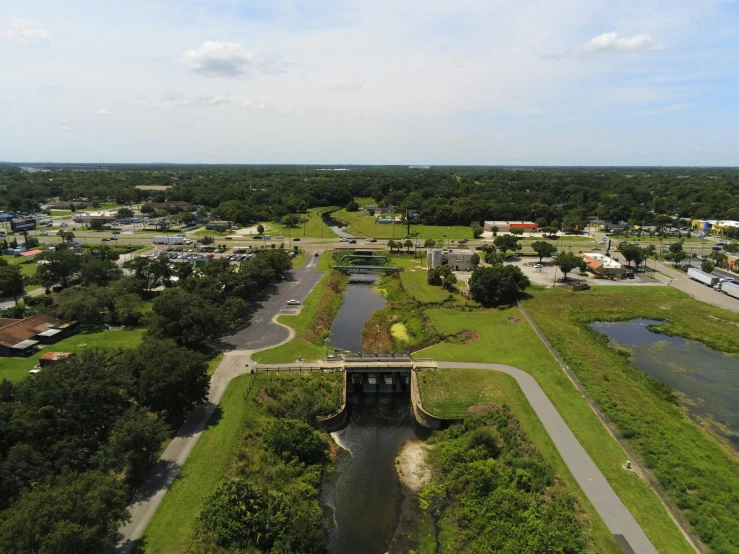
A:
x: 411, y: 466
x: 514, y: 319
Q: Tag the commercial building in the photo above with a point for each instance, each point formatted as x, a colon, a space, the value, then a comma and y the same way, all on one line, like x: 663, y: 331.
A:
x: 715, y: 226
x: 506, y: 226
x: 600, y: 264
x: 88, y: 219
x: 459, y: 259
x: 218, y: 225
x: 21, y: 337
x: 51, y: 358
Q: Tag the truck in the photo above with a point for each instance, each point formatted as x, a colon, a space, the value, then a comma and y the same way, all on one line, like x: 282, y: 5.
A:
x: 169, y: 240
x: 703, y: 277
x: 730, y: 288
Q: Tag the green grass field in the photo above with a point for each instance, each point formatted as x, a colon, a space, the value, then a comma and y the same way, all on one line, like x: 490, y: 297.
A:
x: 60, y: 212
x: 451, y: 391
x: 363, y: 225
x: 314, y: 227
x: 299, y: 260
x: 28, y: 267
x: 172, y: 527
x: 515, y: 343
x: 694, y: 468
x: 15, y: 369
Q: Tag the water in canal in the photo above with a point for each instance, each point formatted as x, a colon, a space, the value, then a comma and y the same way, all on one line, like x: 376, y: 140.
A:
x: 708, y: 379
x: 363, y: 496
x: 360, y: 301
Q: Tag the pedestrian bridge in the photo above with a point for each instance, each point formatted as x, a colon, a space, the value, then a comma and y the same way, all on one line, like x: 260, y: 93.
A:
x: 368, y: 269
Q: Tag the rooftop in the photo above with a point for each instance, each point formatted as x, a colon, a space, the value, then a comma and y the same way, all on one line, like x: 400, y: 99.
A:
x: 600, y: 260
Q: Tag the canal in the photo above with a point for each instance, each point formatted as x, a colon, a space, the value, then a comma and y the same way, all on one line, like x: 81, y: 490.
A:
x: 362, y: 496
x: 708, y: 380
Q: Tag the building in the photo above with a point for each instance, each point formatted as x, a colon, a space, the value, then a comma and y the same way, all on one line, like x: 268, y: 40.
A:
x: 21, y: 337
x: 459, y: 259
x: 66, y: 205
x: 218, y: 225
x: 172, y: 204
x: 88, y: 219
x: 51, y: 358
x: 715, y: 226
x: 506, y: 226
x: 600, y: 264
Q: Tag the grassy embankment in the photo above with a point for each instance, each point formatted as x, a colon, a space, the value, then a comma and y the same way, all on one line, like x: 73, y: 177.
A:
x: 699, y: 474
x: 217, y: 452
x: 15, y: 369
x: 299, y: 260
x: 513, y: 342
x: 313, y: 322
x: 450, y: 392
x: 361, y: 224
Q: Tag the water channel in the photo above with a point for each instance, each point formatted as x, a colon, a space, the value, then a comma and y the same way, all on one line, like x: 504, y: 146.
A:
x: 363, y: 496
x: 708, y: 379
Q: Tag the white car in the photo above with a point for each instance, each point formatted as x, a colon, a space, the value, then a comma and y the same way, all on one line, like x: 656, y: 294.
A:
x: 280, y: 237
x: 293, y: 302
x: 538, y: 266
x: 343, y: 240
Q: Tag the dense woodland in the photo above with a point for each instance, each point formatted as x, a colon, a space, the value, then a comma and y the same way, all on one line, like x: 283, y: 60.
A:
x: 561, y: 197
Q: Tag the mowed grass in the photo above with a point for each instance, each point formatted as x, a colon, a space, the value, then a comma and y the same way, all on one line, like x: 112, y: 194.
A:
x: 516, y: 344
x: 361, y: 224
x: 415, y: 281
x: 15, y: 369
x: 172, y: 528
x: 299, y: 260
x: 450, y: 392
x: 696, y: 471
x: 314, y: 227
x: 28, y: 267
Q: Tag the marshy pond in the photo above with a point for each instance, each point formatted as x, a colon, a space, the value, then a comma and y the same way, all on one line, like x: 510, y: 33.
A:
x: 708, y: 380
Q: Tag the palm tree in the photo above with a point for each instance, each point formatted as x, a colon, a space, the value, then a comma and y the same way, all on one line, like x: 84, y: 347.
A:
x: 408, y: 245
x: 68, y: 237
x: 391, y: 245
x: 719, y: 257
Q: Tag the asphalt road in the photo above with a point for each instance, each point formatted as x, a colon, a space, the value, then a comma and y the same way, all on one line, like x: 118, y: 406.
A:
x: 593, y: 483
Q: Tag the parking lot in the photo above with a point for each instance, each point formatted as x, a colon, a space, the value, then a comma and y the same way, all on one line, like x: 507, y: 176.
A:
x: 546, y: 275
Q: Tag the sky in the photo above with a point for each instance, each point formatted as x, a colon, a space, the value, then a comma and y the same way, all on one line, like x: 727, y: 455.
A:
x: 488, y: 82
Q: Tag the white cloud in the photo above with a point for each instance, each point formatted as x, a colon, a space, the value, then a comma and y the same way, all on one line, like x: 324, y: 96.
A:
x: 103, y: 113
x: 228, y: 59
x: 611, y: 42
x: 253, y: 105
x: 24, y: 32
x: 348, y: 86
x: 204, y: 101
x: 666, y: 109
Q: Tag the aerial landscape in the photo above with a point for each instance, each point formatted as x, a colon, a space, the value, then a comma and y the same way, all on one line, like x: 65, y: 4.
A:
x: 258, y: 298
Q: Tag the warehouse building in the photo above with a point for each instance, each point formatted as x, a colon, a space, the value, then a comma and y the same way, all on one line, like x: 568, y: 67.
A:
x: 506, y: 226
x: 716, y: 227
x: 459, y: 259
x: 21, y: 337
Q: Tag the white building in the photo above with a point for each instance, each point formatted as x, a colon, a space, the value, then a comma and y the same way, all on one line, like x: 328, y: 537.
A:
x: 601, y: 264
x: 459, y: 259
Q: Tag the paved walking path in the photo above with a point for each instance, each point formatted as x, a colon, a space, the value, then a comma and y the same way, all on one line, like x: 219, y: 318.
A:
x: 615, y: 515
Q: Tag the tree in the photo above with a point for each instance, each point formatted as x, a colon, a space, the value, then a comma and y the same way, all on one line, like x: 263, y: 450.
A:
x: 732, y: 247
x: 133, y: 445
x: 189, y: 319
x: 97, y: 270
x: 68, y: 237
x: 61, y: 266
x: 391, y: 244
x: 291, y: 439
x: 166, y: 377
x: 505, y: 243
x: 442, y: 276
x: 495, y: 230
x: 477, y: 230
x: 497, y: 285
x: 543, y: 249
x: 516, y: 231
x: 74, y: 513
x: 408, y: 245
x: 206, y: 240
x: 11, y: 281
x: 429, y: 243
x: 86, y: 305
x: 290, y: 220
x: 260, y: 228
x: 707, y: 266
x: 566, y: 262
x: 352, y: 206
x: 629, y: 252
x: 493, y: 258
x: 147, y: 208
x: 125, y: 213
x: 719, y: 258
x: 475, y: 260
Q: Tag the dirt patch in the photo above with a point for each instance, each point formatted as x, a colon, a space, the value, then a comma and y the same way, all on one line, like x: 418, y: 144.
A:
x: 479, y: 409
x: 411, y: 466
x: 514, y: 319
x: 463, y: 337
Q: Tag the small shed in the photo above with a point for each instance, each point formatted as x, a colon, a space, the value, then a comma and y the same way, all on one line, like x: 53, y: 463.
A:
x: 51, y: 358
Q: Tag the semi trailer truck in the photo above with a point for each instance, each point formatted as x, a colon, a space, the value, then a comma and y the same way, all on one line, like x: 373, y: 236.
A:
x: 703, y: 277
x: 169, y: 240
x: 729, y: 288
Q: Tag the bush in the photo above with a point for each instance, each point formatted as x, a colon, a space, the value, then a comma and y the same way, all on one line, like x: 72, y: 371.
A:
x: 295, y: 440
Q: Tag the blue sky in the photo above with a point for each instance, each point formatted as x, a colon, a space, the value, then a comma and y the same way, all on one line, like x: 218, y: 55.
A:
x: 573, y: 82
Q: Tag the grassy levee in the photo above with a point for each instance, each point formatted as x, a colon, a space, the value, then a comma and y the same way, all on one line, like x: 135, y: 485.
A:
x: 699, y: 475
x: 15, y: 369
x: 452, y: 391
x: 513, y: 342
x: 172, y: 528
x: 312, y: 323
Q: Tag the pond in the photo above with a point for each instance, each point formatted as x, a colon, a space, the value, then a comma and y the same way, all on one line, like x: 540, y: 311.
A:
x: 708, y: 380
x: 360, y: 301
x: 363, y: 495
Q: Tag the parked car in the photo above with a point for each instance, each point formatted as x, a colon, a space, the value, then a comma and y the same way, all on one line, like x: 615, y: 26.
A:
x: 629, y: 275
x: 538, y: 266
